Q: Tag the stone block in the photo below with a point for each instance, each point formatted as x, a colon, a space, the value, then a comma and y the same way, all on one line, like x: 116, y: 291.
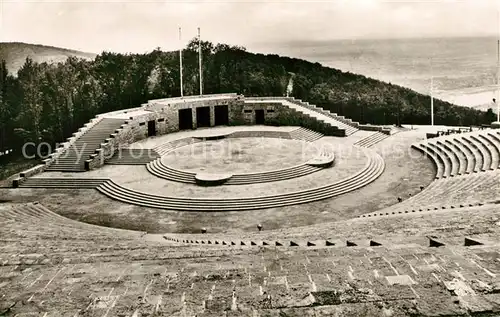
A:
x: 400, y: 280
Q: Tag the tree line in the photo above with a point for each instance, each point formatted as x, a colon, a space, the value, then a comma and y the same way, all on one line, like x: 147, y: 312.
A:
x: 47, y: 102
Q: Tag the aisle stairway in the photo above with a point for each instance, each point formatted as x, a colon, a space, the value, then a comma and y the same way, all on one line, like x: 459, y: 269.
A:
x: 73, y: 158
x: 159, y: 169
x: 304, y: 134
x: 347, y: 124
x: 326, y: 117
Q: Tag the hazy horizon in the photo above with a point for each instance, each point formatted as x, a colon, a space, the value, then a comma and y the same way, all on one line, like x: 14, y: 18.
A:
x: 138, y: 27
x: 271, y: 45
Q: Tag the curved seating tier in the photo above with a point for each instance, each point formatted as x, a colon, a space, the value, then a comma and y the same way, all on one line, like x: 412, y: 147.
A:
x: 493, y: 148
x: 474, y: 153
x: 483, y: 151
x: 466, y: 160
x: 439, y: 164
x: 78, y: 272
x: 369, y: 173
x: 454, y: 156
x: 58, y: 226
x: 159, y: 169
x: 446, y: 193
x: 466, y: 153
x: 63, y: 182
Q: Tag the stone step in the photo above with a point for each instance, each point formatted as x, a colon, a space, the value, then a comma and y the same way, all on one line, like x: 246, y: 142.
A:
x: 158, y: 169
x: 86, y: 144
x: 373, y: 169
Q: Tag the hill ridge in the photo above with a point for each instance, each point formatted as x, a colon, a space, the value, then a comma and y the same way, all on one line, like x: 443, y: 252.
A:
x: 15, y: 54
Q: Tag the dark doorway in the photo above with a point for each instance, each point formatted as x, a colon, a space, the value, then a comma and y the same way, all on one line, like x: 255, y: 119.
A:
x: 221, y: 115
x: 203, y: 117
x: 185, y: 119
x: 151, y: 128
x: 260, y: 117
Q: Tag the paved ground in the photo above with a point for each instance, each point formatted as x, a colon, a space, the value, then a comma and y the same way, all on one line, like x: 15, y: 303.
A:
x: 239, y: 155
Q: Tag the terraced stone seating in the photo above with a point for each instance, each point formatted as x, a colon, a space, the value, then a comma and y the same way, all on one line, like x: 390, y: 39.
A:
x: 63, y: 182
x: 373, y: 168
x: 52, y: 265
x: 159, y: 169
x: 18, y: 220
x: 133, y: 156
x: 449, y: 193
x: 465, y: 153
x: 73, y: 158
x: 321, y: 115
x: 339, y: 126
x: 289, y: 241
x: 371, y: 140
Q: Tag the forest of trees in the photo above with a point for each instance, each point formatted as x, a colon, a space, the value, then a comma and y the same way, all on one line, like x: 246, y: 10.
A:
x: 47, y: 102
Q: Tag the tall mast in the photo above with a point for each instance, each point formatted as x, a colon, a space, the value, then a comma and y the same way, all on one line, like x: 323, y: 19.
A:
x: 180, y: 61
x: 498, y: 67
x: 199, y: 61
x: 432, y: 97
x: 498, y: 75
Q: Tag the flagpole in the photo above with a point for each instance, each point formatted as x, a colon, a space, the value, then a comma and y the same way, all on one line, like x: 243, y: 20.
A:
x: 432, y: 96
x: 498, y: 74
x: 180, y: 61
x: 497, y: 93
x: 199, y: 61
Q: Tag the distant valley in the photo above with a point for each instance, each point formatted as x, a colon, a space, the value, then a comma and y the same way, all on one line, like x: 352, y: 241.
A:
x: 15, y: 54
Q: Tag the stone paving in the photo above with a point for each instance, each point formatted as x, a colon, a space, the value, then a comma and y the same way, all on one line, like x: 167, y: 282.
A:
x: 425, y: 262
x: 111, y: 276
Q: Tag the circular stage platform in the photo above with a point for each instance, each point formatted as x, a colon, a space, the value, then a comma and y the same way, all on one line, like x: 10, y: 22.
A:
x: 238, y: 155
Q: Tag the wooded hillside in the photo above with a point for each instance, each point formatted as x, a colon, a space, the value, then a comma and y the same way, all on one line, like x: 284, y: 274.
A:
x: 47, y: 102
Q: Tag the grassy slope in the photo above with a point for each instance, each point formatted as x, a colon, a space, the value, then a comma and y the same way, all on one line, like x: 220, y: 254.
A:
x: 15, y: 54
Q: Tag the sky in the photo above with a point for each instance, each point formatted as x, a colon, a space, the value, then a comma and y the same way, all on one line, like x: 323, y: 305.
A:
x: 140, y: 26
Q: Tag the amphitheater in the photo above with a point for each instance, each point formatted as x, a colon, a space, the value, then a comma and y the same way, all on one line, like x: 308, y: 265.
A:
x: 226, y: 205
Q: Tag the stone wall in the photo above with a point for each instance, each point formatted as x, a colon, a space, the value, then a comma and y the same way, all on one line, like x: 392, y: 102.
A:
x: 271, y: 111
x: 171, y: 110
x: 279, y: 115
x: 167, y: 121
x: 134, y: 129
